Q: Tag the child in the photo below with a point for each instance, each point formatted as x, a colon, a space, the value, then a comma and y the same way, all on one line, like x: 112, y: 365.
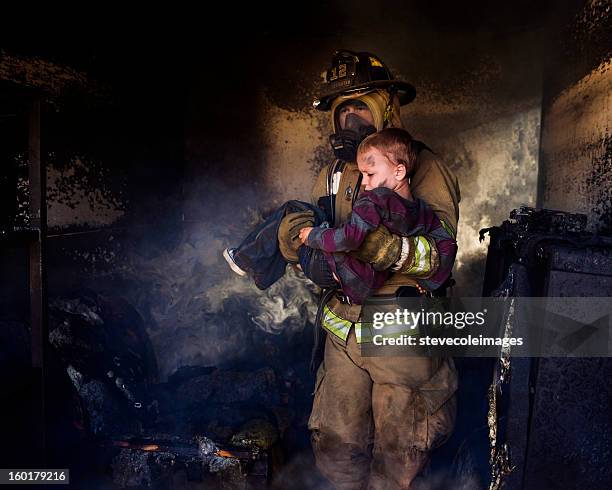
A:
x: 385, y: 159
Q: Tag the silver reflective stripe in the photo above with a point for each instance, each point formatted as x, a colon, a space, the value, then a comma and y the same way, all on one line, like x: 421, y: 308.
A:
x: 336, y: 182
x: 422, y: 257
x: 422, y: 254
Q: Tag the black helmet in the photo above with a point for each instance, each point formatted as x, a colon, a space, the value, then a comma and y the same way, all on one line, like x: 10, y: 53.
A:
x: 353, y: 72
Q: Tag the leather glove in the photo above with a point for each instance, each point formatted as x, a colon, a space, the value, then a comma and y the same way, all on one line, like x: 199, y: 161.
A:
x: 380, y: 248
x: 289, y: 233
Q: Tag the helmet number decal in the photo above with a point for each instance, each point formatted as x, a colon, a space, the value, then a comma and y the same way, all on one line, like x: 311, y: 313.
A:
x: 337, y: 72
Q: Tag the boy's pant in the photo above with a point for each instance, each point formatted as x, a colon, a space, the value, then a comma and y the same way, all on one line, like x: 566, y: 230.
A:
x: 375, y: 419
x: 259, y: 253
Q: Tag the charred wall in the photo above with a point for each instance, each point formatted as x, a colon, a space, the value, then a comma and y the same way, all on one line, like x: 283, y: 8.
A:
x: 575, y: 156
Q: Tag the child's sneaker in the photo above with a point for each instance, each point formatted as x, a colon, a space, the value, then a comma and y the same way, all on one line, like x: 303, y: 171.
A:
x: 228, y: 255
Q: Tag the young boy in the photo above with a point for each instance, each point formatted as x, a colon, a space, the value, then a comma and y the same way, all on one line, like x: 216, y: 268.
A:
x: 386, y: 159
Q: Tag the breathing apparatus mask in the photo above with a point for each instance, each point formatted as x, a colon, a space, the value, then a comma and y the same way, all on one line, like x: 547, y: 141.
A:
x: 346, y: 140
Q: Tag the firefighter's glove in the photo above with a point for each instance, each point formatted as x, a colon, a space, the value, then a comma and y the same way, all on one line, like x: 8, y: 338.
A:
x: 289, y: 233
x: 380, y: 248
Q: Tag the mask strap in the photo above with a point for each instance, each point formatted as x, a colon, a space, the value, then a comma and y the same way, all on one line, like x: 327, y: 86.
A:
x: 389, y: 109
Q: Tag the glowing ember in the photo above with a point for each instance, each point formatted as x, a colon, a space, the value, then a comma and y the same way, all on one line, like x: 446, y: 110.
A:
x: 225, y: 454
x: 142, y: 447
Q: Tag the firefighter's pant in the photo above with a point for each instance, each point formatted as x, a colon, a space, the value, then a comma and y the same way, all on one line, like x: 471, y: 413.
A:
x: 375, y: 419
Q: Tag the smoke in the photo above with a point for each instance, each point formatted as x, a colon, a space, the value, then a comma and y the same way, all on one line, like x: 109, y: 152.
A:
x: 198, y: 311
x: 497, y: 167
x: 284, y: 307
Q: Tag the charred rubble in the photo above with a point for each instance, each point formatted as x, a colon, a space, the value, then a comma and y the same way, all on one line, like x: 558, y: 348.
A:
x: 227, y: 427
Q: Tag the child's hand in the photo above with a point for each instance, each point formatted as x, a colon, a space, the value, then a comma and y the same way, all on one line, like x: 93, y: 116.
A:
x: 304, y: 232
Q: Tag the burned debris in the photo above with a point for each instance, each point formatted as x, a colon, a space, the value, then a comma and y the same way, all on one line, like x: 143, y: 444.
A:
x: 202, y: 424
x: 548, y: 253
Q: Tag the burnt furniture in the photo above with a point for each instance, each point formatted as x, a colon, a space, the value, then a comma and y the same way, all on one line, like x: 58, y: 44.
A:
x: 556, y: 412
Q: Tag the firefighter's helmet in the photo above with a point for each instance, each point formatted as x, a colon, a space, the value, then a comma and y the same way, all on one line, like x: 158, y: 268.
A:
x: 353, y: 73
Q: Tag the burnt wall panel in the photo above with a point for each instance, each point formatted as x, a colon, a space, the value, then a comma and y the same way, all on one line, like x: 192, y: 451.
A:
x: 576, y: 151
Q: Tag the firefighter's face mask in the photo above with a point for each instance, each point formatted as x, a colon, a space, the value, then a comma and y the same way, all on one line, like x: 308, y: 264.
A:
x: 355, y: 122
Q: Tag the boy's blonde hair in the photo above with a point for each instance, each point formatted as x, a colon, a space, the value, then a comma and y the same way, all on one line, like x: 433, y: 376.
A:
x: 395, y: 144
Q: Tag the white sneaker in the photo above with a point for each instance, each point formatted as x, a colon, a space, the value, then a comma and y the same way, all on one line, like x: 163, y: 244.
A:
x: 228, y: 255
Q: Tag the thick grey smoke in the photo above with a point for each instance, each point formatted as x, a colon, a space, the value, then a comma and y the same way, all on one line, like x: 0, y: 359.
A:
x: 202, y: 313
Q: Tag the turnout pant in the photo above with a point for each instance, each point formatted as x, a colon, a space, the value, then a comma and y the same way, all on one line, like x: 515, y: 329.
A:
x: 375, y: 419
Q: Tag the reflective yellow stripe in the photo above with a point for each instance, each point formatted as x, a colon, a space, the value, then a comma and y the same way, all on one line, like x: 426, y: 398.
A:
x: 448, y: 229
x: 426, y: 256
x: 422, y: 257
x: 334, y: 324
x: 418, y: 250
x: 339, y: 326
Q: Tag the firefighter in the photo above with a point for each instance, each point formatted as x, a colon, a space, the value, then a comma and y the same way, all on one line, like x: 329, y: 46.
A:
x: 375, y: 420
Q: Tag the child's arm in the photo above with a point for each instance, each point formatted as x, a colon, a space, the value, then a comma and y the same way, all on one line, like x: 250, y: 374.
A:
x: 364, y: 218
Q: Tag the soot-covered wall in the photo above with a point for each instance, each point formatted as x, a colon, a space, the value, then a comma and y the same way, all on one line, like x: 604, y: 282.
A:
x: 576, y: 153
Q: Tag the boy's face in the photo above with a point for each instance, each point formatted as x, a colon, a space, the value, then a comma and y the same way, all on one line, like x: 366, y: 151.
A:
x: 378, y: 171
